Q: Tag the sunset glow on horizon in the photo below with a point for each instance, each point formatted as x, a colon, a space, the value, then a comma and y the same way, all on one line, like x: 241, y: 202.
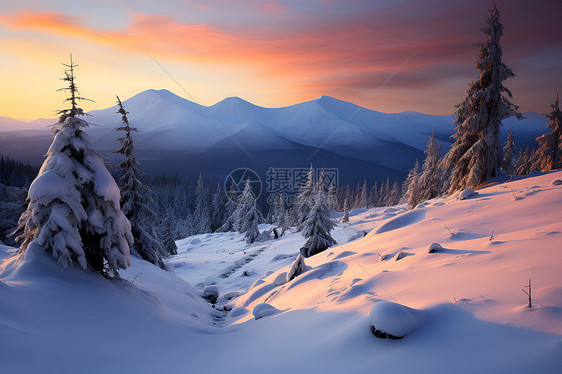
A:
x: 389, y: 56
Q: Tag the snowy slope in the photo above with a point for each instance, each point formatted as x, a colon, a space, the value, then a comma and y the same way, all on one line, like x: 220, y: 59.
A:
x: 476, y: 320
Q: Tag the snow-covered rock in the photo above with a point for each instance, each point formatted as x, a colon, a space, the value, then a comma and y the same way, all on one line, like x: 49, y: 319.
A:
x: 211, y: 293
x: 394, y: 321
x: 297, y: 268
x: 264, y: 310
x: 467, y: 193
x: 434, y: 247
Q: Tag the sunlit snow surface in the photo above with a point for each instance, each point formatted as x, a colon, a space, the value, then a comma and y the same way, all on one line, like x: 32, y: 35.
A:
x: 56, y: 320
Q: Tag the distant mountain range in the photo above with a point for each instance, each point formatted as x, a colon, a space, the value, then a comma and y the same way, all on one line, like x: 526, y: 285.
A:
x: 177, y: 136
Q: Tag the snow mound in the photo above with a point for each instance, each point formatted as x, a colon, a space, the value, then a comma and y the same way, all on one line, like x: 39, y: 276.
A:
x: 394, y: 321
x: 264, y: 310
x: 211, y: 293
x: 467, y: 193
x: 402, y: 220
x: 557, y: 182
x: 280, y: 279
x: 434, y: 247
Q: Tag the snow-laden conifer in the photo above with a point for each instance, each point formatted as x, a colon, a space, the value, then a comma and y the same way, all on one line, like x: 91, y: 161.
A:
x: 345, y: 217
x: 318, y: 223
x: 229, y: 224
x: 247, y: 214
x: 508, y: 153
x: 549, y: 154
x: 73, y: 212
x: 373, y: 196
x: 166, y: 233
x: 411, y: 188
x: 136, y: 200
x: 218, y: 207
x: 524, y: 162
x: 303, y: 201
x: 476, y: 153
x: 363, y: 196
x: 202, y: 213
x: 332, y: 197
x: 429, y: 182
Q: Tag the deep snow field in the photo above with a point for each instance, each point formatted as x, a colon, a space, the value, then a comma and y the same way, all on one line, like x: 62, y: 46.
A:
x: 56, y: 320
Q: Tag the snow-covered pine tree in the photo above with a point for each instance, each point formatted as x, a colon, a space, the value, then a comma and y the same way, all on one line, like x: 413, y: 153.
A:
x: 345, y: 217
x: 395, y: 194
x: 476, y: 153
x: 166, y: 233
x: 73, y: 211
x: 508, y: 153
x: 218, y: 208
x: 202, y: 213
x: 332, y: 197
x: 247, y: 214
x: 136, y: 200
x: 318, y: 223
x: 303, y: 201
x: 429, y: 182
x: 523, y: 163
x: 384, y: 193
x: 364, y: 195
x: 410, y: 188
x: 229, y: 224
x: 549, y: 154
x: 280, y: 214
x: 373, y: 196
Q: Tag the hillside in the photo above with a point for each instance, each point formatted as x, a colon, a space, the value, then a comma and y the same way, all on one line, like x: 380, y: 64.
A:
x: 476, y: 315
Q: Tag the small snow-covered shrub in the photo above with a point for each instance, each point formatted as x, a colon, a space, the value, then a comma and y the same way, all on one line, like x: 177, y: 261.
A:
x: 297, y: 268
x: 400, y: 255
x: 264, y: 310
x: 434, y: 247
x: 390, y: 320
x: 467, y: 193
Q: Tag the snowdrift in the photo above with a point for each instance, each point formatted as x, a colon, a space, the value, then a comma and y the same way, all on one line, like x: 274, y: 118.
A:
x: 475, y: 316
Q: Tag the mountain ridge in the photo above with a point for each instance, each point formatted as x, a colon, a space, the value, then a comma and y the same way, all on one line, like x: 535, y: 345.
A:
x: 173, y: 127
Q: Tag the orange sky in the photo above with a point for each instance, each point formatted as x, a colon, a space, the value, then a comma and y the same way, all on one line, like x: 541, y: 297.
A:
x: 385, y: 55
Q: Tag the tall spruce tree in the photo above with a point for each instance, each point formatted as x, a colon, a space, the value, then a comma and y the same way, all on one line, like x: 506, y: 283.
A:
x: 218, y: 208
x: 302, y: 203
x: 364, y: 195
x: 523, y: 163
x: 229, y: 223
x: 429, y: 182
x: 247, y: 214
x: 508, y: 153
x: 476, y: 153
x: 318, y: 223
x: 73, y: 212
x: 202, y: 213
x: 411, y: 190
x: 136, y: 200
x: 549, y: 154
x: 345, y: 217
